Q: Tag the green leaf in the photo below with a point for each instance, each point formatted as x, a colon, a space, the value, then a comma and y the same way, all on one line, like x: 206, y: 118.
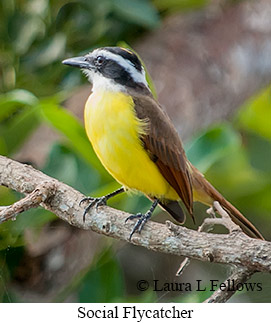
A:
x: 259, y: 152
x: 15, y: 131
x: 100, y: 286
x: 53, y: 49
x: 73, y: 130
x: 256, y: 114
x: 102, y: 281
x: 28, y: 29
x: 140, y: 12
x: 234, y: 175
x: 67, y: 167
x: 212, y: 145
x: 172, y: 6
x: 12, y: 232
x: 10, y: 101
x: 3, y: 146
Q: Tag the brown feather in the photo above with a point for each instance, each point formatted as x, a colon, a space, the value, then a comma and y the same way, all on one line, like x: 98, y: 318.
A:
x: 165, y: 148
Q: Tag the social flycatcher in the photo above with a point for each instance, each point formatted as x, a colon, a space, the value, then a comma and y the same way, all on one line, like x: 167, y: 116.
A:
x: 136, y: 141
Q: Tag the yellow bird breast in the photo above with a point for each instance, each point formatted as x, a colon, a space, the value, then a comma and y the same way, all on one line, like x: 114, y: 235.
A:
x: 114, y: 131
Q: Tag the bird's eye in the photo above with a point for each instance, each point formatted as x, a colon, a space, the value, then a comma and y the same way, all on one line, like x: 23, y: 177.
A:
x: 100, y: 60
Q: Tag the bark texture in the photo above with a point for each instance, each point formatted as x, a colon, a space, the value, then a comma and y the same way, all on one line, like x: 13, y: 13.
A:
x: 233, y: 249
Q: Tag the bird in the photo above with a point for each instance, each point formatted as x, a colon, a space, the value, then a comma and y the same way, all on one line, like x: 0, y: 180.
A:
x: 137, y: 143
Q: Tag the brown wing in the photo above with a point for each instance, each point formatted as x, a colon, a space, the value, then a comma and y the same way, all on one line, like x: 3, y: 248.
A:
x: 165, y: 148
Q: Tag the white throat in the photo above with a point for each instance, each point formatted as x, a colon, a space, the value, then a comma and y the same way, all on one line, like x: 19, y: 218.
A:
x: 101, y: 83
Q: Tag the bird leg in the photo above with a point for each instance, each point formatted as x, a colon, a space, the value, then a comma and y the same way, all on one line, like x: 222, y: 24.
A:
x: 142, y: 218
x: 98, y: 201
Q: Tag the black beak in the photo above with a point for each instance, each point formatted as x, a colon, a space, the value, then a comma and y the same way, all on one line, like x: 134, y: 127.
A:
x: 80, y: 62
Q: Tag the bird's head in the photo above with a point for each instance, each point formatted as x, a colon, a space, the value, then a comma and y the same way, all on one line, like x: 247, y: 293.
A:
x: 112, y: 68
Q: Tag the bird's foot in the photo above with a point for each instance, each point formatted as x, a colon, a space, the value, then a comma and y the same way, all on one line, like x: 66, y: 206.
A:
x: 98, y: 201
x: 142, y: 219
x: 93, y: 201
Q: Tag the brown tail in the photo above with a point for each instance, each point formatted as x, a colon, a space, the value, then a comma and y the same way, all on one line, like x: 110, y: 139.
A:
x: 201, y: 185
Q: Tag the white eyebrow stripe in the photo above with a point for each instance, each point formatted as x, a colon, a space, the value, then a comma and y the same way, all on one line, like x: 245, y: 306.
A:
x: 138, y: 77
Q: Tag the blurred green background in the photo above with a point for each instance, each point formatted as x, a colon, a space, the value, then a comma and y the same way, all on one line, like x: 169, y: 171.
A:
x: 81, y: 266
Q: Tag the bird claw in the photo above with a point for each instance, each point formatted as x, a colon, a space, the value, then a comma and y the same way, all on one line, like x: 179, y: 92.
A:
x: 93, y: 201
x: 142, y: 219
x: 84, y: 200
x: 134, y: 216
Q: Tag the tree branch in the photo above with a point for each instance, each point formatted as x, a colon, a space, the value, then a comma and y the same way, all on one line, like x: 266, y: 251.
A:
x: 40, y: 194
x: 239, y: 276
x: 208, y: 224
x: 235, y: 248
